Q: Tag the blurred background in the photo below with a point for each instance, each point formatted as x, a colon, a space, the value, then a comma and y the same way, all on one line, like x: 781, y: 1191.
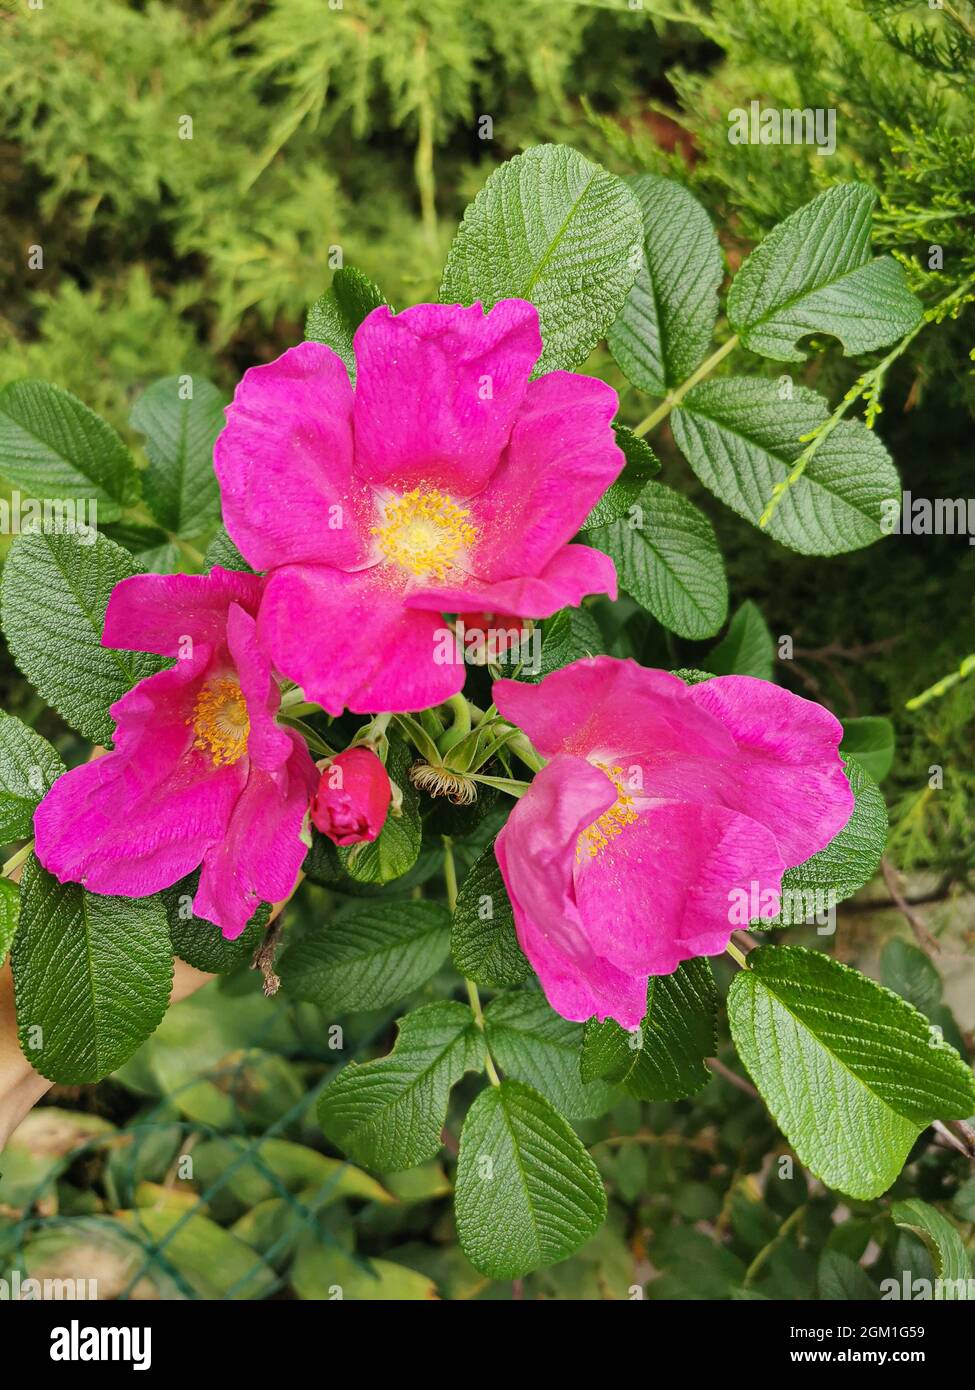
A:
x: 192, y: 173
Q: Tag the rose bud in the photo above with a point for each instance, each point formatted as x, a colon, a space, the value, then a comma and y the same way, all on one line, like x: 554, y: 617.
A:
x: 353, y: 797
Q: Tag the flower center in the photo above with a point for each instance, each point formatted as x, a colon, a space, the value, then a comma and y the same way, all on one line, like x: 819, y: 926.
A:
x: 423, y: 531
x: 220, y: 721
x: 610, y: 824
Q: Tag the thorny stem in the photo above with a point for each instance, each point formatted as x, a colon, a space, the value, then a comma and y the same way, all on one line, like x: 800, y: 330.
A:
x: 677, y: 395
x: 450, y: 882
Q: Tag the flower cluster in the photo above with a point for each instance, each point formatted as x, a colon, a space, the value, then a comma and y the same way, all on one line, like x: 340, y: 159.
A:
x: 448, y: 483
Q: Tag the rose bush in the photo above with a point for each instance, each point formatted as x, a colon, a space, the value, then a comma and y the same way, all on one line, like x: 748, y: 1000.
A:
x: 381, y: 483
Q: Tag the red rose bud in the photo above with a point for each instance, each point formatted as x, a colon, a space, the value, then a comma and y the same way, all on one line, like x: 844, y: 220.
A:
x: 353, y: 797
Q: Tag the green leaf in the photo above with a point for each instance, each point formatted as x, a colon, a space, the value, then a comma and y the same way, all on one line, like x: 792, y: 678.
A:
x: 323, y: 1272
x: 201, y: 943
x: 567, y: 636
x: 397, y: 846
x: 53, y: 599
x: 211, y: 1260
x: 664, y: 1058
x: 527, y: 1193
x: 483, y: 939
x: 668, y: 559
x: 151, y: 546
x: 666, y: 325
x: 554, y: 228
x: 532, y: 1043
x: 28, y: 768
x: 92, y: 976
x: 389, y: 1114
x: 179, y: 484
x: 945, y: 1246
x: 910, y: 973
x: 813, y: 273
x: 851, y: 1072
x: 871, y: 741
x: 53, y: 445
x: 742, y: 438
x: 848, y: 862
x: 841, y: 1279
x: 335, y: 316
x: 369, y: 956
x: 747, y: 648
x: 641, y: 465
x: 222, y: 551
x: 9, y: 915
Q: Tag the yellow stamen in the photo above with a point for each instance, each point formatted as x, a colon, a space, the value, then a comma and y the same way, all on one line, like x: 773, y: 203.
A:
x: 610, y: 824
x: 423, y: 532
x: 220, y: 721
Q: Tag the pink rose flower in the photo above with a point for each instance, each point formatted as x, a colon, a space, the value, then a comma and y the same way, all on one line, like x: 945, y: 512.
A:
x: 662, y: 804
x: 353, y: 797
x: 200, y: 772
x: 447, y: 481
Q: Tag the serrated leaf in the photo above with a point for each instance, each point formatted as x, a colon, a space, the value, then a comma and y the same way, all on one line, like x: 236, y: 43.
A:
x: 947, y: 1249
x: 848, y: 862
x: 527, y: 1192
x: 368, y: 957
x: 813, y: 273
x: 871, y: 741
x: 53, y: 445
x: 741, y: 439
x: 641, y: 465
x: 552, y: 227
x: 532, y: 1043
x: 389, y: 1114
x: 179, y: 484
x: 664, y: 1058
x: 667, y: 322
x: 567, y: 636
x: 222, y: 551
x: 28, y: 767
x: 397, y: 846
x: 667, y: 558
x: 9, y: 915
x: 747, y: 648
x: 201, y: 943
x: 335, y: 316
x: 53, y: 599
x: 483, y: 940
x: 92, y: 976
x: 850, y: 1072
x: 910, y: 973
